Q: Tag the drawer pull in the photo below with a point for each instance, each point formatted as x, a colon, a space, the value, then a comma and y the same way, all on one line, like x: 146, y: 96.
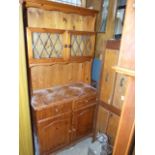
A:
x: 73, y: 130
x: 69, y: 131
x: 122, y: 82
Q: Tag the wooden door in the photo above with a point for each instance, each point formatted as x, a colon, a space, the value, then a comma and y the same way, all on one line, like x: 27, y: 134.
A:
x: 108, y: 76
x: 112, y: 127
x: 119, y: 92
x: 83, y: 122
x: 54, y: 133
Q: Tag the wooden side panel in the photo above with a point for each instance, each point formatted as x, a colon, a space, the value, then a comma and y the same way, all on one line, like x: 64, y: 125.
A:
x: 120, y: 89
x: 108, y: 77
x: 127, y: 57
x: 57, y: 74
x: 54, y: 19
x: 126, y: 127
x: 112, y: 127
x: 25, y: 133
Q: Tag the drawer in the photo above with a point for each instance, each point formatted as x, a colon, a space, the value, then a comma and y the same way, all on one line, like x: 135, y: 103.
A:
x: 52, y: 111
x: 82, y: 103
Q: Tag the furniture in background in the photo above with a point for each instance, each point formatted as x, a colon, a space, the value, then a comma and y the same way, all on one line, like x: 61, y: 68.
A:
x: 112, y: 90
x: 60, y: 49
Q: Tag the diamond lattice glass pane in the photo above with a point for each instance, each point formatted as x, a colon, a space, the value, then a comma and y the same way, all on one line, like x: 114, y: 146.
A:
x: 81, y: 45
x: 47, y: 45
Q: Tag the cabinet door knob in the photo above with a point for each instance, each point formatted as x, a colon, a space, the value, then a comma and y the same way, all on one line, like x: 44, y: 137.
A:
x: 73, y: 130
x: 69, y: 131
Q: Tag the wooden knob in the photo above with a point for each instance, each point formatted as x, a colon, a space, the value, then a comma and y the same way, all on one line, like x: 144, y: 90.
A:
x: 56, y: 110
x: 73, y: 130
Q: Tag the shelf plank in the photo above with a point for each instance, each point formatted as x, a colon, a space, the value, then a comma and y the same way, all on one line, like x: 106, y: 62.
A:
x: 124, y: 71
x: 55, y: 6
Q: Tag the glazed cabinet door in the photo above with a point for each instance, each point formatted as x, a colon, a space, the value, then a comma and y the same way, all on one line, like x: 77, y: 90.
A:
x: 54, y: 133
x: 108, y: 75
x: 83, y: 122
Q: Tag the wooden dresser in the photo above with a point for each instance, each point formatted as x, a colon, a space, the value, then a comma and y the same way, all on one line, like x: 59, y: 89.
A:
x: 62, y: 115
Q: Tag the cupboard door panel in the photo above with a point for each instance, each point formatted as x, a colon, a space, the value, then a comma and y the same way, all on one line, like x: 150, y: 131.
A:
x: 102, y: 121
x: 54, y: 133
x: 83, y: 121
x: 112, y: 127
x: 120, y: 88
x: 108, y: 75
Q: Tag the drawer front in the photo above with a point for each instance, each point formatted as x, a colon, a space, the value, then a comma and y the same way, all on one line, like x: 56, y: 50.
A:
x: 82, y: 103
x: 53, y: 111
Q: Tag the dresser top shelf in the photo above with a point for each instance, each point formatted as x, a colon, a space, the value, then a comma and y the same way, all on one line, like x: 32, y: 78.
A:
x: 48, y: 97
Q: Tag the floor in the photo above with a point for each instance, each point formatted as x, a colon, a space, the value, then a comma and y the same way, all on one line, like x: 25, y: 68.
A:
x: 81, y: 148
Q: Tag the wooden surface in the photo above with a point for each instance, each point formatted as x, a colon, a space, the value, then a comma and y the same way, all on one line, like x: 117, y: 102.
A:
x: 102, y: 121
x: 97, y: 5
x: 112, y: 127
x: 124, y: 71
x: 63, y: 114
x: 83, y: 121
x: 25, y: 133
x: 54, y: 6
x: 58, y: 74
x: 59, y: 20
x: 108, y: 77
x: 102, y: 37
x: 48, y: 97
x: 111, y: 108
x: 54, y: 133
x: 120, y: 89
x: 113, y: 44
x: 126, y: 125
x: 127, y: 56
x: 125, y: 134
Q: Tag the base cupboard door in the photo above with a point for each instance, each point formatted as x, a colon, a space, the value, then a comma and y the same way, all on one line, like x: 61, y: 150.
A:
x: 54, y: 133
x: 83, y: 122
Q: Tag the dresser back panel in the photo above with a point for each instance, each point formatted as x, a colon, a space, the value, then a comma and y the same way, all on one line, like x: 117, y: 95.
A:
x: 43, y: 76
x: 59, y: 20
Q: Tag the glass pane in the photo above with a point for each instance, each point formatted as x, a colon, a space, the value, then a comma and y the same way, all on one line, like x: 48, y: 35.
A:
x: 119, y: 18
x: 81, y: 45
x: 47, y: 45
x: 104, y: 15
